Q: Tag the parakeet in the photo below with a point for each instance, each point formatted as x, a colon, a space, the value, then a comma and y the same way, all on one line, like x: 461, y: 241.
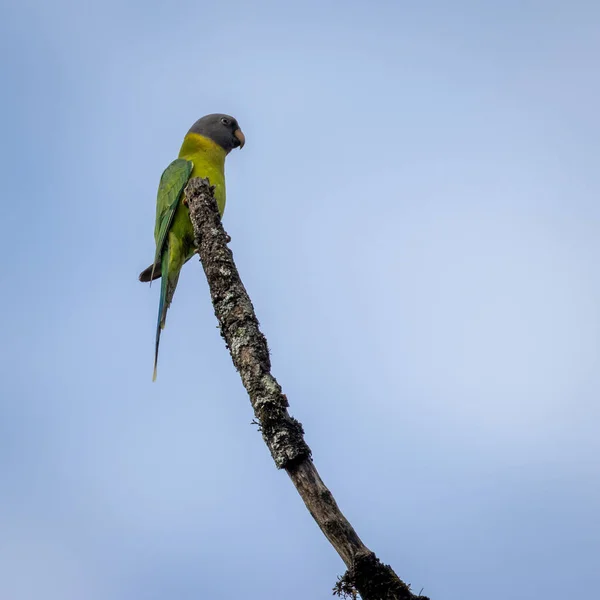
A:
x: 202, y: 154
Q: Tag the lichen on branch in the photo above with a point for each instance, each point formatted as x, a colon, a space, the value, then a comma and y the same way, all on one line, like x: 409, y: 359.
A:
x: 282, y: 433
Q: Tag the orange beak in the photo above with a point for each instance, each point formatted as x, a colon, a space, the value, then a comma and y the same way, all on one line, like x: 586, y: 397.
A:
x: 240, y: 136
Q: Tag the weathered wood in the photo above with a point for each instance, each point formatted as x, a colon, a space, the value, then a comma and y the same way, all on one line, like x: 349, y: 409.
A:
x: 324, y: 509
x: 282, y: 433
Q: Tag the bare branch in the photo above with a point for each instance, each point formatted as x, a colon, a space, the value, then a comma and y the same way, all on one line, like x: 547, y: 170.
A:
x: 282, y: 433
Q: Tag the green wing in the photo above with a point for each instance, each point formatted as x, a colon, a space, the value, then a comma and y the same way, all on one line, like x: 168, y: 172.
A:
x: 170, y: 190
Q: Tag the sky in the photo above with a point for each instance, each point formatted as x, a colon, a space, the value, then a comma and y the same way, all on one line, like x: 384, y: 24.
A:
x: 415, y: 215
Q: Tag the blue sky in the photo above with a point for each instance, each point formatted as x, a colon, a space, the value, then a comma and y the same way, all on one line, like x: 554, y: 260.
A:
x: 416, y: 218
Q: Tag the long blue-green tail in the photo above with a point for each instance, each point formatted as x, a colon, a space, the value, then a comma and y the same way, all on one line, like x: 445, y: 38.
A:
x: 162, y: 307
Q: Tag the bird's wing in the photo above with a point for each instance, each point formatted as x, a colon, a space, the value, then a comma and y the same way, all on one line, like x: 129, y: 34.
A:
x: 170, y: 190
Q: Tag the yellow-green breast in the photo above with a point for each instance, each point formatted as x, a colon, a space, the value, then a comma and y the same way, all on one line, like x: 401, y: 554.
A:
x: 209, y: 162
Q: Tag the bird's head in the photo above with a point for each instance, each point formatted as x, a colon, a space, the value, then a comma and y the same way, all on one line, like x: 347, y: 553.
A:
x: 221, y: 129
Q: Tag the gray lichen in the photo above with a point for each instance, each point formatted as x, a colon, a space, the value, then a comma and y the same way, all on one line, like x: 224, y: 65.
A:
x: 282, y: 433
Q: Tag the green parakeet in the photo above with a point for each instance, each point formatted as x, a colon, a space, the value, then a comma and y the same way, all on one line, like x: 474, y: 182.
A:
x: 202, y: 154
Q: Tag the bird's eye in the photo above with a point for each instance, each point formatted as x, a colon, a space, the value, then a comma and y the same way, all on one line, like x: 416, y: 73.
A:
x: 225, y: 121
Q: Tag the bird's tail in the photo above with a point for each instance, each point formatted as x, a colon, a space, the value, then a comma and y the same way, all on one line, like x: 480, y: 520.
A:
x: 163, y: 305
x: 151, y: 273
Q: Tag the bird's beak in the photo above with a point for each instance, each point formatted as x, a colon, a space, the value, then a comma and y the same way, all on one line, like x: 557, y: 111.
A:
x: 240, y: 136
